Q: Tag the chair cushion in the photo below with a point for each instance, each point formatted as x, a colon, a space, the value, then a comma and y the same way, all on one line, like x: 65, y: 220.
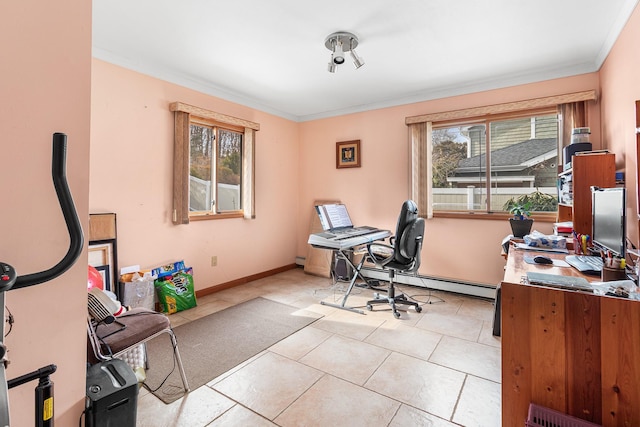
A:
x: 140, y: 323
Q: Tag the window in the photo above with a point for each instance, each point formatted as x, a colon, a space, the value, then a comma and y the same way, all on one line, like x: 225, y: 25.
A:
x: 213, y: 165
x: 511, y: 157
x: 215, y: 169
x: 473, y: 161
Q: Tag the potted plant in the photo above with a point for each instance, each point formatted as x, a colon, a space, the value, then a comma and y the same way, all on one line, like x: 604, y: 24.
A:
x: 522, y: 206
x: 520, y: 223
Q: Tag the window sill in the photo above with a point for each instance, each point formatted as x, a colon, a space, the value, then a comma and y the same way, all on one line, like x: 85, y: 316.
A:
x: 501, y: 216
x: 208, y: 216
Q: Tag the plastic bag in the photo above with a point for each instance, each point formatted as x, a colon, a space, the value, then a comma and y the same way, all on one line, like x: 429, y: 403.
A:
x: 174, y: 287
x: 138, y: 291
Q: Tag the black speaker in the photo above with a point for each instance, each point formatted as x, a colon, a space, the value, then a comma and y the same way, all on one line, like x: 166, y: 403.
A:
x: 571, y: 149
x: 112, y: 395
x: 341, y: 269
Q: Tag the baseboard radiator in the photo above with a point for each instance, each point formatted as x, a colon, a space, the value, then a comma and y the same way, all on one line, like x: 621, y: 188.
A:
x: 466, y: 288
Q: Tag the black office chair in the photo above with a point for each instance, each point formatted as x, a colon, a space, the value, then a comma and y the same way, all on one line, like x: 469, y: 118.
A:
x: 404, y: 255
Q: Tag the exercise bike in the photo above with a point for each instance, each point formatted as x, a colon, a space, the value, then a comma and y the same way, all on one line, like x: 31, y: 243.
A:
x: 9, y: 280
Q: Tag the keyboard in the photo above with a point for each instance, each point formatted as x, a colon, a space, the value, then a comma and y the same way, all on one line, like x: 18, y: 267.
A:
x: 585, y: 264
x: 355, y: 232
x: 328, y: 240
x: 559, y: 281
x: 347, y: 233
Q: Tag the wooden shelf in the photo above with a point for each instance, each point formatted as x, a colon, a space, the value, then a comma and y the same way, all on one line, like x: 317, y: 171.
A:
x: 565, y: 213
x: 588, y: 169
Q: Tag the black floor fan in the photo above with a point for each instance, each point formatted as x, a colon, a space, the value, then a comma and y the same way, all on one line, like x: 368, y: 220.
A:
x: 9, y: 280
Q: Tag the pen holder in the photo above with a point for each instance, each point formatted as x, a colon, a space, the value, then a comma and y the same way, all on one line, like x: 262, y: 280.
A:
x: 609, y: 274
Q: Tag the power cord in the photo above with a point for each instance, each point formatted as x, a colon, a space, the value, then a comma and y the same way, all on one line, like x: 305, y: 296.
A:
x: 145, y: 385
x: 413, y: 297
x: 338, y: 286
x: 429, y: 295
x: 401, y: 290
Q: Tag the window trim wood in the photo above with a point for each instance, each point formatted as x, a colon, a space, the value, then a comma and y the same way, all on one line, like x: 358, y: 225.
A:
x: 184, y: 114
x: 538, y: 216
x: 420, y: 185
x: 212, y: 115
x: 509, y: 107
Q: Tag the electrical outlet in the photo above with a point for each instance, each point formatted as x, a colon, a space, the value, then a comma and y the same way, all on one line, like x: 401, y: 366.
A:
x: 214, y: 260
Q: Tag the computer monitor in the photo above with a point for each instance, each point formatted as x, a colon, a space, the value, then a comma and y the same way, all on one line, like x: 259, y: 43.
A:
x: 609, y: 226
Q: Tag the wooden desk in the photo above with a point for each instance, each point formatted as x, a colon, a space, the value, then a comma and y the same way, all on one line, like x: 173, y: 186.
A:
x: 574, y: 352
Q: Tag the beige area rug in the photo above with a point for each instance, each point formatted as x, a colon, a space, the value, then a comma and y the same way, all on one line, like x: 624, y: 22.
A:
x: 218, y: 342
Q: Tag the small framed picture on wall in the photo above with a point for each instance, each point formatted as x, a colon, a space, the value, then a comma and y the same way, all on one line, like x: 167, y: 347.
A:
x: 348, y: 154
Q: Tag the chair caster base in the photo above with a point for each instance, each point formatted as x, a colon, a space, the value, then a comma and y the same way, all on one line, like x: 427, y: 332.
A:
x: 392, y: 302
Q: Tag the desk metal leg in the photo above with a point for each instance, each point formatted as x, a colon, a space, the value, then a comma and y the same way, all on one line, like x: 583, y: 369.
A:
x: 356, y: 269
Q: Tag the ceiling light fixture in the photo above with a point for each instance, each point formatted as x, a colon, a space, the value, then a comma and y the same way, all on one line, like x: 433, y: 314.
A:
x: 339, y: 43
x: 357, y: 61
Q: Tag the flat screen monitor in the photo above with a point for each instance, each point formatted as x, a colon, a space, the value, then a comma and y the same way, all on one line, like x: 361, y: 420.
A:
x: 609, y: 230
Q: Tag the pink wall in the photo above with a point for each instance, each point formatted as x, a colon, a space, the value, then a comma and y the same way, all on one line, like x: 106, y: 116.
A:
x: 131, y: 175
x: 45, y: 83
x: 131, y: 164
x: 620, y: 87
x: 461, y: 249
x: 46, y: 87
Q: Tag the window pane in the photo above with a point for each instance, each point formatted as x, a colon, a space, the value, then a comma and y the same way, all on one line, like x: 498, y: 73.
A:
x: 201, y: 140
x: 229, y: 170
x: 523, y: 164
x: 524, y: 157
x: 459, y: 168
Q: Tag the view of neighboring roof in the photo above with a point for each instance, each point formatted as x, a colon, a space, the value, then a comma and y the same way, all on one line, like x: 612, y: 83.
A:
x: 514, y: 157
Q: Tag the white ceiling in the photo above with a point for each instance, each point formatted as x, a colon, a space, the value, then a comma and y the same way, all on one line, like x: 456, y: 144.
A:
x: 270, y: 55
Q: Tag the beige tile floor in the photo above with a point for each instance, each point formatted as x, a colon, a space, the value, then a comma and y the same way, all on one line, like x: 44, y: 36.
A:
x: 440, y: 367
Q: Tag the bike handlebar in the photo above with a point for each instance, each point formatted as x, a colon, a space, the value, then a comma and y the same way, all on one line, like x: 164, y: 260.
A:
x: 58, y: 172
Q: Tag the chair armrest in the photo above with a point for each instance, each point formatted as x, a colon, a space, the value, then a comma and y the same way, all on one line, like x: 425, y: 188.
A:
x: 378, y: 258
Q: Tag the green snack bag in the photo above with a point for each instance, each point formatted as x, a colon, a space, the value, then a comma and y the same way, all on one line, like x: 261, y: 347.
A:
x: 176, y: 291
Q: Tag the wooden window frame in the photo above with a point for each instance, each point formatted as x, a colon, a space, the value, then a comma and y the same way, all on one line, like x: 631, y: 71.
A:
x: 420, y: 128
x: 487, y: 121
x: 184, y: 115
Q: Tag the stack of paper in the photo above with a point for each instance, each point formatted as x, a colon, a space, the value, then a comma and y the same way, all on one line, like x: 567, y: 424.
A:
x: 563, y: 228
